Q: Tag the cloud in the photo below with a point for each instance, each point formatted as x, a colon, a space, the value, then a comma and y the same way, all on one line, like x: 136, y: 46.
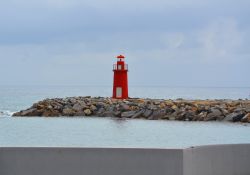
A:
x: 166, y: 42
x: 221, y: 39
x: 108, y: 3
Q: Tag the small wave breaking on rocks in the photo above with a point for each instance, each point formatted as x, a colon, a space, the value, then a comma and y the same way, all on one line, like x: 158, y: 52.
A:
x: 6, y: 113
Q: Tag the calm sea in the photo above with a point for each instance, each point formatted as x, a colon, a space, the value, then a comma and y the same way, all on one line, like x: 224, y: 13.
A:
x: 108, y: 132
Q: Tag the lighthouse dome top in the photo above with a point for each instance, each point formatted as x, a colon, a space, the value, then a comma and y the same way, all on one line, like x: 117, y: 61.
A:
x: 120, y: 56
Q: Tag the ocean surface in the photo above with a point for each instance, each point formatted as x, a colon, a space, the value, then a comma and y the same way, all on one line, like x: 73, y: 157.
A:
x: 110, y: 132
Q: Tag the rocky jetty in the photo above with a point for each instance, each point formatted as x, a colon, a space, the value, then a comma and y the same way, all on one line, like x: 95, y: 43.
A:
x: 152, y: 109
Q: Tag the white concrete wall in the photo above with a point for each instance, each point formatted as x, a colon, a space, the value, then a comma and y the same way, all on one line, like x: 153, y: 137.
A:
x: 203, y: 160
x: 217, y: 160
x: 89, y: 161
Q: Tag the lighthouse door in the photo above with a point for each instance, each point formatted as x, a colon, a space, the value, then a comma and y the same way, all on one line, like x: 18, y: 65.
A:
x: 118, y: 92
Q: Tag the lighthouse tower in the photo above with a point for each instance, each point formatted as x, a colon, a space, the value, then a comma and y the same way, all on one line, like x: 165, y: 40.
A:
x: 120, y: 86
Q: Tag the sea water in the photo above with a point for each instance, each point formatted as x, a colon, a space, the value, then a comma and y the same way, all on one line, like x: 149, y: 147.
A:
x: 113, y: 132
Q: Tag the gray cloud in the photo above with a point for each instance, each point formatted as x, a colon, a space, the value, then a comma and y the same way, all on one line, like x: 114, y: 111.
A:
x: 176, y: 43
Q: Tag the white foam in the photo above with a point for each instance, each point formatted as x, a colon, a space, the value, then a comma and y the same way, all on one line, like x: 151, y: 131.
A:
x: 4, y: 113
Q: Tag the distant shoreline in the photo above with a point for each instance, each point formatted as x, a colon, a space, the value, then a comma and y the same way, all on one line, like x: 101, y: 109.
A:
x: 152, y: 109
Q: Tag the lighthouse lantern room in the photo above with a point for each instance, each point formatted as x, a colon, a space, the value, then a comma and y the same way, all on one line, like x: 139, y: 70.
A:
x: 120, y: 85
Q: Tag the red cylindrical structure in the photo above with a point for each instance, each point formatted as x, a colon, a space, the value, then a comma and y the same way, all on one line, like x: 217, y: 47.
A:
x: 120, y: 85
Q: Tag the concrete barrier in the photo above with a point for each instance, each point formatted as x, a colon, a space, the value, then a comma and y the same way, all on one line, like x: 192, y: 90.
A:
x: 203, y: 160
x: 90, y: 161
x: 217, y: 160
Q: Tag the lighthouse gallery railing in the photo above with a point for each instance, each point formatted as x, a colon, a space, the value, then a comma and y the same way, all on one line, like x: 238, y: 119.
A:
x: 116, y: 67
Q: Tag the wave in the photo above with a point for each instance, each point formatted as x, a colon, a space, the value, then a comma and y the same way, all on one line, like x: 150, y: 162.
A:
x: 4, y: 113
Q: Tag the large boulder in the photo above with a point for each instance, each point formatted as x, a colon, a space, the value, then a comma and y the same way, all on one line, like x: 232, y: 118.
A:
x: 179, y: 115
x: 87, y: 112
x: 189, y: 115
x: 51, y: 113
x: 93, y: 108
x: 100, y: 112
x: 100, y: 105
x: 117, y: 113
x: 147, y: 113
x: 124, y: 107
x: 215, y: 114
x: 246, y: 118
x: 157, y: 114
x: 68, y: 111
x: 128, y: 114
x: 29, y: 112
x: 77, y: 107
x: 200, y: 117
x: 234, y: 117
x: 138, y: 114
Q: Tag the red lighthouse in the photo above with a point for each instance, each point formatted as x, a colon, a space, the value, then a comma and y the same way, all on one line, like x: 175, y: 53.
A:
x: 120, y: 86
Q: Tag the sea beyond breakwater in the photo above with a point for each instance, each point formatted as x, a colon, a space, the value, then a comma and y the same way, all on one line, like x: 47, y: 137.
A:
x: 152, y: 109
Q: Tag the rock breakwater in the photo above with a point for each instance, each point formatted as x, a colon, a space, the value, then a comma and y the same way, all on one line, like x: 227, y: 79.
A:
x: 152, y: 109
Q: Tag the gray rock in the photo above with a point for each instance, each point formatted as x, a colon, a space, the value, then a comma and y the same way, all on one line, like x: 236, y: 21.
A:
x: 234, y: 117
x: 57, y: 106
x: 87, y: 96
x: 117, y: 113
x: 30, y: 112
x: 155, y: 115
x: 100, y: 112
x: 239, y: 110
x: 138, y: 114
x: 214, y: 115
x: 77, y: 107
x: 80, y: 113
x: 220, y: 118
x: 238, y: 117
x: 51, y: 113
x: 246, y: 118
x: 108, y: 114
x: 87, y: 112
x: 248, y: 110
x: 210, y: 117
x: 162, y: 113
x: 128, y: 114
x: 179, y: 115
x: 147, y: 113
x: 49, y: 107
x: 111, y: 108
x: 93, y: 108
x: 189, y: 115
x: 169, y: 110
x: 158, y: 114
x: 152, y: 107
x: 157, y: 102
x: 225, y: 111
x: 169, y: 117
x: 200, y: 117
x: 199, y: 107
x: 124, y: 107
x: 216, y: 111
x: 68, y: 112
x: 229, y: 117
x: 101, y: 105
x: 165, y: 117
x: 72, y: 100
x: 148, y: 108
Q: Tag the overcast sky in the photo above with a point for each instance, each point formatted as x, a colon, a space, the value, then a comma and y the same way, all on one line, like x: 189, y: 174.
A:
x: 166, y: 42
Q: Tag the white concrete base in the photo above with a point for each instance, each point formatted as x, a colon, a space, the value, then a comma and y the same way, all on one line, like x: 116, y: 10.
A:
x: 204, y: 160
x: 217, y: 160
